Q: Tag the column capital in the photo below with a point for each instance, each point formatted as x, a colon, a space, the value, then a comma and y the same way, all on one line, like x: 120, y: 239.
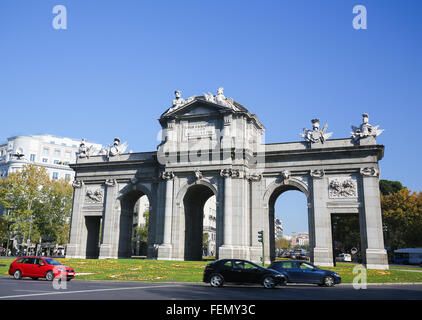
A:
x: 78, y: 184
x: 317, y: 173
x: 369, y: 172
x: 111, y: 182
x: 167, y: 175
x: 230, y: 173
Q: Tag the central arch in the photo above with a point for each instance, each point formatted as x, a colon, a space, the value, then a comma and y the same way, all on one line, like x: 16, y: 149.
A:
x: 129, y: 212
x: 193, y: 207
x: 270, y: 197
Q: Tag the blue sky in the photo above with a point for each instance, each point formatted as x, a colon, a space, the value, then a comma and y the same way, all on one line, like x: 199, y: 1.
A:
x: 115, y: 68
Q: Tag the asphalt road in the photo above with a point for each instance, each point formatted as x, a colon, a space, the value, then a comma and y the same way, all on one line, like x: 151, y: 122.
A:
x: 28, y: 289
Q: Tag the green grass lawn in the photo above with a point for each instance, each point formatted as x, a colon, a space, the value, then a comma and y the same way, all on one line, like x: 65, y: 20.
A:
x: 191, y: 271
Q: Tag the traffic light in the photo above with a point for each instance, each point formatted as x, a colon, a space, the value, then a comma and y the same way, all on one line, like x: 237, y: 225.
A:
x: 261, y: 236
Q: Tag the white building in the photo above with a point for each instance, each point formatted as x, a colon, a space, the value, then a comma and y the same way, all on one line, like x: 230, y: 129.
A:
x: 209, y: 225
x: 300, y: 239
x: 278, y: 228
x: 51, y: 152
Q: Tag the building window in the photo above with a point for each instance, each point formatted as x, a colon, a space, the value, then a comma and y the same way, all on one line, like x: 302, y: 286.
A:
x: 32, y: 157
x: 44, y: 160
x: 56, y: 162
x: 67, y: 177
x: 68, y: 154
x: 57, y: 153
x: 52, y: 142
x: 45, y: 151
x: 55, y: 175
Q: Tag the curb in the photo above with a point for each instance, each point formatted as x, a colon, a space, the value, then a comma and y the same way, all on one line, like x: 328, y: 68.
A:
x: 202, y: 283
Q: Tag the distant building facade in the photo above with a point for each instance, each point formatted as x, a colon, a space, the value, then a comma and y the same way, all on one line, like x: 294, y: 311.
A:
x: 47, y: 151
x: 278, y: 228
x: 300, y: 239
x: 209, y: 227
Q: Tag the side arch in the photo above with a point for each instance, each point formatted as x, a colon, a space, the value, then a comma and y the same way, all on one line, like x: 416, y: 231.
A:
x: 273, y: 191
x: 125, y: 205
x: 182, y: 191
x: 189, y: 219
x: 289, y: 184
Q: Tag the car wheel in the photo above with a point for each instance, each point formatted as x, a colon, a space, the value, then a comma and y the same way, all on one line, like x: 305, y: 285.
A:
x: 268, y: 282
x: 216, y: 280
x: 17, y: 275
x: 49, y: 275
x: 328, y: 281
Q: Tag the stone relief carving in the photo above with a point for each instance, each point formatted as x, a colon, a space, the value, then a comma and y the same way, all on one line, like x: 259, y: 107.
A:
x: 96, y: 195
x: 317, y: 173
x: 342, y: 188
x: 316, y: 135
x: 365, y: 129
x: 369, y: 171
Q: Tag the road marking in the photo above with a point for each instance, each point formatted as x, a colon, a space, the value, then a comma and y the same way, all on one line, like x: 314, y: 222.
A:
x: 83, y: 291
x: 35, y: 290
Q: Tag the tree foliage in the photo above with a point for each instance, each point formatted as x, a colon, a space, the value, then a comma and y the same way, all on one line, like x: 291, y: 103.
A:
x: 35, y: 205
x: 282, y: 243
x: 388, y: 187
x: 402, y: 218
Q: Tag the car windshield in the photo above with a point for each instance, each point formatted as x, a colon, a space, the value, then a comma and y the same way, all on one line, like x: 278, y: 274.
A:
x: 52, y: 262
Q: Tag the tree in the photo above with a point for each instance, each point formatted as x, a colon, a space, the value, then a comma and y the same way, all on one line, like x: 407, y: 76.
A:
x: 388, y: 187
x: 346, y: 232
x: 20, y: 193
x: 54, y: 224
x: 141, y: 233
x: 4, y: 233
x: 402, y: 219
x: 282, y: 243
x: 205, y: 242
x: 36, y: 205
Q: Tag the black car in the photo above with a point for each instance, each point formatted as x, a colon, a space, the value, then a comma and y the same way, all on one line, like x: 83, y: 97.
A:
x: 240, y: 271
x: 305, y: 272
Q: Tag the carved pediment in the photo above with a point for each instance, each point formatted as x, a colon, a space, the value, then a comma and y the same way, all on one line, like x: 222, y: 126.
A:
x: 196, y: 107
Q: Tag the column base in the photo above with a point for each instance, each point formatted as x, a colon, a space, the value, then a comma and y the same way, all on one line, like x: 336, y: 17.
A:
x: 164, y: 252
x: 73, y: 252
x: 322, y: 257
x: 376, y: 259
x: 106, y: 252
x: 234, y: 252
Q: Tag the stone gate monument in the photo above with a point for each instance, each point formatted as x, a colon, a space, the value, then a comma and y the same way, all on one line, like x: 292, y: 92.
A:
x: 212, y: 145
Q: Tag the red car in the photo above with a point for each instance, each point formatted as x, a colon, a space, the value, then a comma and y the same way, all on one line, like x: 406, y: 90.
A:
x: 39, y: 267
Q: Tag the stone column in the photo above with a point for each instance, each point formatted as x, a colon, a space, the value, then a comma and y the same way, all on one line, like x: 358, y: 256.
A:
x: 76, y: 248
x: 322, y: 246
x: 165, y: 249
x: 371, y: 222
x: 110, y: 231
x: 225, y: 251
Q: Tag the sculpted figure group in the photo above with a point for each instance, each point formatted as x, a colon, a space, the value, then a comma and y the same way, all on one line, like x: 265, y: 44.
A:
x: 112, y: 151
